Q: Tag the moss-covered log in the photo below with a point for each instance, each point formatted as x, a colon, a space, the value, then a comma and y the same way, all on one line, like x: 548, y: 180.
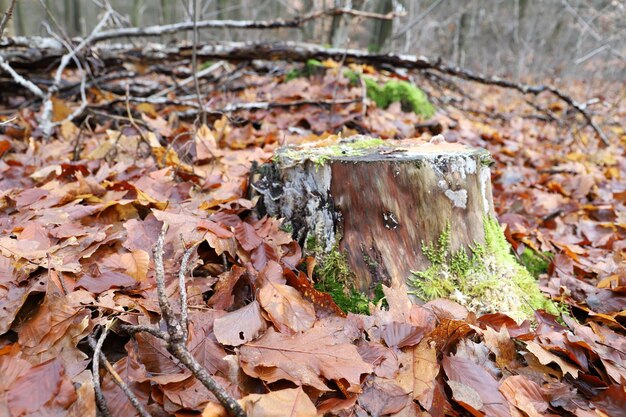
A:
x: 402, y: 213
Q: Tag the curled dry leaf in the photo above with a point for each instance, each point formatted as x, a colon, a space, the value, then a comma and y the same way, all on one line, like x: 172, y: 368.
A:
x: 418, y: 372
x: 546, y: 357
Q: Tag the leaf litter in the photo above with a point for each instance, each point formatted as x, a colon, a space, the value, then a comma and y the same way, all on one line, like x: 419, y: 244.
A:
x: 80, y: 213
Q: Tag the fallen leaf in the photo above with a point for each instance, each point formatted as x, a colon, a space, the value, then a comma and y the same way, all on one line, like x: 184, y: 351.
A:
x: 305, y: 358
x: 240, y: 326
x: 287, y: 402
x: 286, y: 308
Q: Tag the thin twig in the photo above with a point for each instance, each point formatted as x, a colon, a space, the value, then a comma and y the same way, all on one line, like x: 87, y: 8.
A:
x: 187, y: 80
x: 176, y: 345
x: 143, y: 328
x: 7, y: 16
x: 194, y: 62
x: 182, y: 273
x: 117, y: 379
x: 95, y: 370
x: 46, y: 117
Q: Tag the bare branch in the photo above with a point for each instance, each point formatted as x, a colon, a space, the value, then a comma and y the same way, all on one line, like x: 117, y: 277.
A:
x: 95, y: 370
x: 7, y: 16
x: 46, y: 116
x: 159, y: 30
x: 139, y: 328
x: 182, y: 272
x: 117, y: 379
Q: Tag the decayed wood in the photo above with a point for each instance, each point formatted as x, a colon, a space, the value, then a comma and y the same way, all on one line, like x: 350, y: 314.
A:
x: 380, y: 201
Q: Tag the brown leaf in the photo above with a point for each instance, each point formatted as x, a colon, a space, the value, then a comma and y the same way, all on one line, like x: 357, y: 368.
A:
x: 240, y: 326
x: 45, y: 388
x: 525, y: 395
x: 287, y: 402
x: 286, y: 308
x: 322, y: 301
x: 466, y: 372
x: 247, y: 236
x: 467, y: 397
x: 419, y: 370
x: 382, y: 397
x: 136, y: 264
x: 401, y: 334
x: 304, y: 358
x: 546, y: 357
x: 134, y: 374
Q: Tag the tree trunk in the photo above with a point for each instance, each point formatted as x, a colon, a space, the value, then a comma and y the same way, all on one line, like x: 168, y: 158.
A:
x: 379, y: 202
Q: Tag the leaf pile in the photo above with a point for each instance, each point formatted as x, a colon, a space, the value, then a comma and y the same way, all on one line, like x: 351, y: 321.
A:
x: 81, y: 212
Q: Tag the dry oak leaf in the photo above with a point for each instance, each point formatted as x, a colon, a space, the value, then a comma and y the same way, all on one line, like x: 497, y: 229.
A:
x: 304, y: 358
x: 240, y: 326
x: 286, y: 308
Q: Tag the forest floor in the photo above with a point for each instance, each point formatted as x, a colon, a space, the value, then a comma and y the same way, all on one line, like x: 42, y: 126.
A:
x: 81, y: 211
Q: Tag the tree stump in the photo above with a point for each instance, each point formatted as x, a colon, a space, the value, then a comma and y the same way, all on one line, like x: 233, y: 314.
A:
x: 398, y: 210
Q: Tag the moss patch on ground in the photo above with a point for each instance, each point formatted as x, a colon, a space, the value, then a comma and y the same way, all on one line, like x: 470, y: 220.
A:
x: 487, y: 280
x: 410, y: 96
x: 311, y: 67
x: 536, y: 263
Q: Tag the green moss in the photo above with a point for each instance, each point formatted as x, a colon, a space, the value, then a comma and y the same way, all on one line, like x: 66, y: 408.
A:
x: 333, y: 276
x: 206, y: 64
x: 534, y: 262
x: 486, y: 160
x: 311, y: 67
x: 352, y: 76
x: 287, y: 227
x: 321, y: 155
x: 489, y: 280
x: 311, y: 243
x: 410, y: 96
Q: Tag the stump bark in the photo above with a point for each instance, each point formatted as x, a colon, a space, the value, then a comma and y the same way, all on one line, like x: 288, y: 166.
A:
x: 379, y: 202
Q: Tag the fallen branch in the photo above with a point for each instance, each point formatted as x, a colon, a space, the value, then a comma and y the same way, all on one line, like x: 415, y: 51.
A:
x: 299, y: 52
x: 71, y: 55
x: 117, y: 379
x: 177, y: 333
x: 95, y: 371
x: 7, y: 17
x: 296, y: 22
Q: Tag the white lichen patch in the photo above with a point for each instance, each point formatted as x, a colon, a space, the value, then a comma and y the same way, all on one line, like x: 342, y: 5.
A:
x: 458, y: 198
x: 485, y: 182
